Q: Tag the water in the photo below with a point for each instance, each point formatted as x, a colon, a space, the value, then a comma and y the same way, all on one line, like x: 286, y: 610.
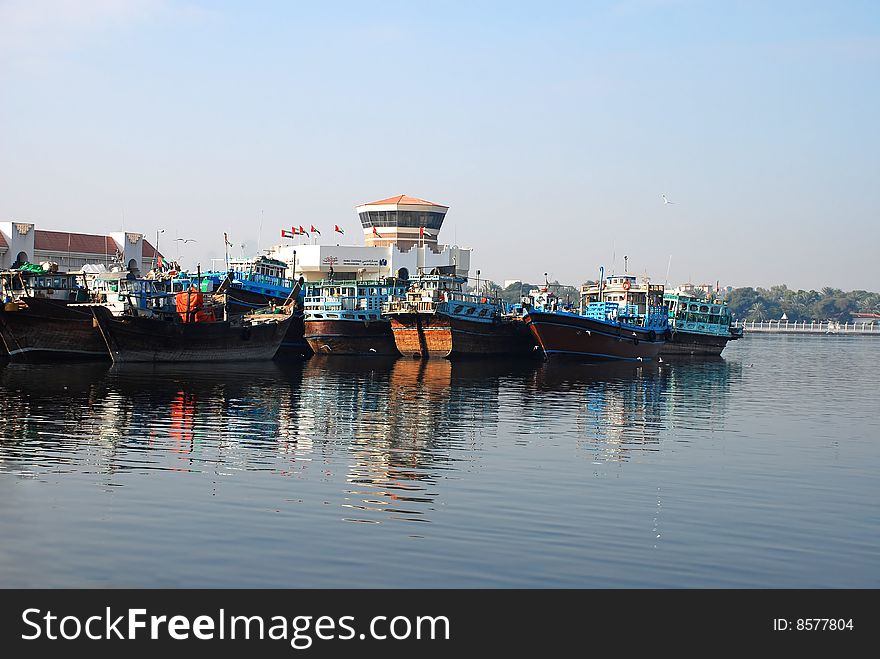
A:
x: 756, y: 470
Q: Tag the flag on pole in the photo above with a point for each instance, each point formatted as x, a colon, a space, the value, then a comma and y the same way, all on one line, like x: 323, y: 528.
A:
x: 423, y: 233
x: 338, y: 230
x: 226, y: 239
x: 314, y: 230
x: 287, y: 234
x: 302, y: 231
x: 375, y: 233
x: 159, y: 262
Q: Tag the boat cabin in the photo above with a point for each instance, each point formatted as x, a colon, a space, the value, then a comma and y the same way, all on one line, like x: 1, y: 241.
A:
x: 61, y: 286
x: 349, y: 300
x: 695, y: 314
x: 622, y: 299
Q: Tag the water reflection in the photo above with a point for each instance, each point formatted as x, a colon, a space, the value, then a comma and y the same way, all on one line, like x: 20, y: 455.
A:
x: 386, y: 432
x: 619, y: 409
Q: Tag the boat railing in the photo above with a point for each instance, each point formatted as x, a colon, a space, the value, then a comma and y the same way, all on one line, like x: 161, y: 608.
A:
x: 409, y: 306
x: 345, y: 303
x: 270, y: 280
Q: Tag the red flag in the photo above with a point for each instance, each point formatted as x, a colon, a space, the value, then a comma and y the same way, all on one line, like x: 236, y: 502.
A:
x: 159, y: 261
x: 314, y: 230
x: 287, y: 234
x: 375, y: 233
x: 337, y: 229
x: 421, y: 232
x: 303, y: 231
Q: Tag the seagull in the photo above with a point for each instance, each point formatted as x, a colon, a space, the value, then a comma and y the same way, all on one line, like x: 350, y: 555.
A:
x: 665, y: 200
x: 372, y: 350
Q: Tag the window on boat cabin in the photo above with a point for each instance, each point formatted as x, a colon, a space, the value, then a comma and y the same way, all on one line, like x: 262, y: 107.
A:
x: 483, y: 312
x: 470, y: 311
x: 317, y: 315
x: 362, y: 316
x: 458, y: 309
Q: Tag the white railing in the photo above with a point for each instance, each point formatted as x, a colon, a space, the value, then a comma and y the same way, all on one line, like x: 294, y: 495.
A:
x: 808, y: 327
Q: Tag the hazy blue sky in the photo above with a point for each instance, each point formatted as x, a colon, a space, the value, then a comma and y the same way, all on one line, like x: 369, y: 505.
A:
x: 550, y: 129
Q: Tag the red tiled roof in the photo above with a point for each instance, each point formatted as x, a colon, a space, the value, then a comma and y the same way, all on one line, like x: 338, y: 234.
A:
x: 404, y: 199
x: 3, y: 241
x: 149, y: 251
x: 83, y: 243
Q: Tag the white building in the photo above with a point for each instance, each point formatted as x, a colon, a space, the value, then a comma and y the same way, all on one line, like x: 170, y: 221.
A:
x: 21, y: 242
x: 401, y: 236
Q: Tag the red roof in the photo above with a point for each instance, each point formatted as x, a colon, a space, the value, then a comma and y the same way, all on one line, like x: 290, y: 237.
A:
x: 83, y: 243
x: 403, y: 199
x: 149, y: 251
x: 3, y: 241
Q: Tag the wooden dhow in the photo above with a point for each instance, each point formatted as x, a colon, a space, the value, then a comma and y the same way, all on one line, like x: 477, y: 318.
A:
x: 617, y: 319
x: 196, y: 332
x: 36, y: 322
x: 345, y: 317
x: 437, y: 318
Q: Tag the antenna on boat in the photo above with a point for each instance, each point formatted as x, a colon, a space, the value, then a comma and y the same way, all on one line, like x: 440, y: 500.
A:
x: 668, y: 265
x: 625, y: 271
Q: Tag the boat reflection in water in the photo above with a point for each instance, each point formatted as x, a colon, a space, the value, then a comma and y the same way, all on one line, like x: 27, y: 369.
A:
x: 623, y: 408
x: 404, y: 423
x: 386, y: 439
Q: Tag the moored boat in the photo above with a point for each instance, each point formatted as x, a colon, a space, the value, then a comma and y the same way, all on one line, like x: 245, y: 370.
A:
x: 617, y: 319
x: 699, y: 326
x: 261, y: 283
x: 197, y: 332
x: 345, y: 317
x: 36, y: 322
x: 437, y: 318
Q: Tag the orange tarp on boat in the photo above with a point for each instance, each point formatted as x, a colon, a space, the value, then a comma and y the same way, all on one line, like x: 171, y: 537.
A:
x: 188, y: 303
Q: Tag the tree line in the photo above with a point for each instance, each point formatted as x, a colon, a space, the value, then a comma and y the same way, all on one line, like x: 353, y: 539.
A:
x: 828, y: 304
x: 745, y: 303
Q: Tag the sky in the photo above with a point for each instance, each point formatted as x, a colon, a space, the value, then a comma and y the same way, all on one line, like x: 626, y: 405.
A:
x: 550, y: 129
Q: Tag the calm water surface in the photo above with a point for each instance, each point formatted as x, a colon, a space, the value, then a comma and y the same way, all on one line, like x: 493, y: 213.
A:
x: 756, y: 470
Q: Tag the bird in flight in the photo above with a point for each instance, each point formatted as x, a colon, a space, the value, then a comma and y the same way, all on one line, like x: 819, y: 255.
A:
x: 665, y: 200
x: 187, y: 240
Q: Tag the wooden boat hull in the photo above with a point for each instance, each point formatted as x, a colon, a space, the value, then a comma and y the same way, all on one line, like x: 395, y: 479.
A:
x: 440, y: 335
x: 694, y: 344
x: 294, y: 343
x: 350, y: 337
x: 568, y: 336
x: 138, y: 339
x: 240, y: 301
x: 49, y: 329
